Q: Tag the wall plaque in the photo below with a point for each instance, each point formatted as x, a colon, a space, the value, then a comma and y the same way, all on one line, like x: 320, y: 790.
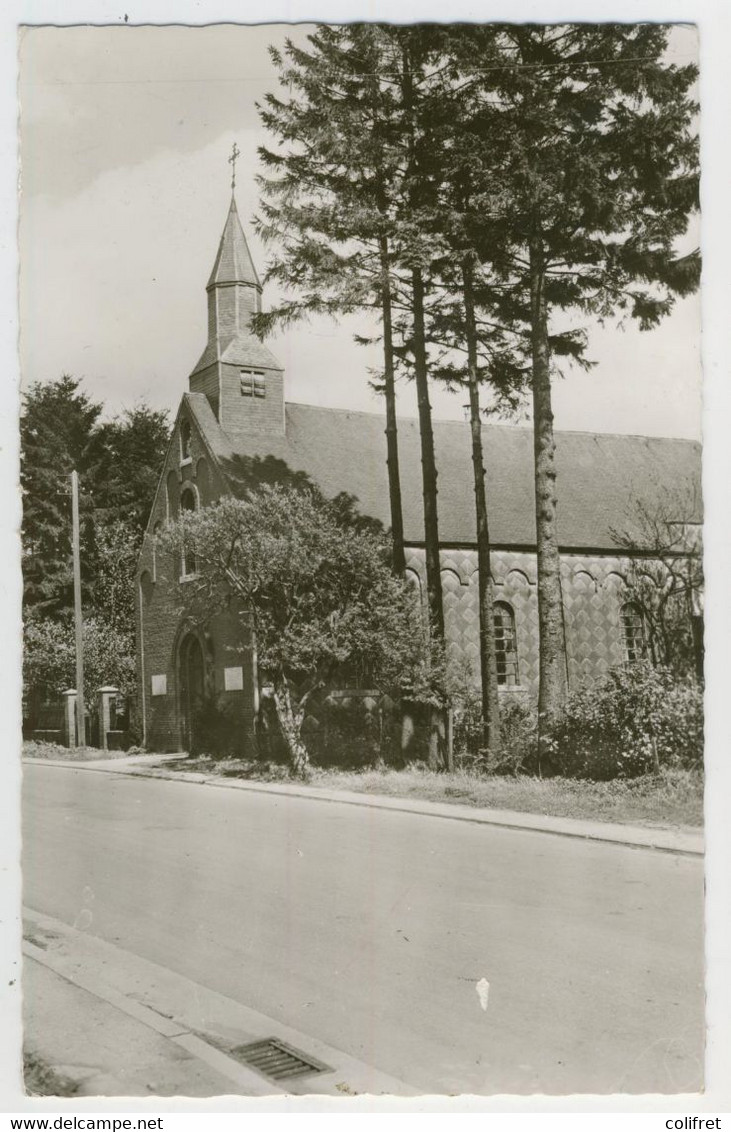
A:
x: 233, y: 679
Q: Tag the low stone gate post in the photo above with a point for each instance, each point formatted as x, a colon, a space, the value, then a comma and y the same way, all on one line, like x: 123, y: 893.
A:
x: 104, y: 706
x: 70, y: 717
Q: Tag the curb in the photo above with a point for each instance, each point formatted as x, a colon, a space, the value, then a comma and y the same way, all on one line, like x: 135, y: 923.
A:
x: 249, y: 1082
x: 633, y: 837
x: 176, y: 1007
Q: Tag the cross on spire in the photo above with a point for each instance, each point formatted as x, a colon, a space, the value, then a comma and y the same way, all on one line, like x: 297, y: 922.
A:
x: 235, y: 152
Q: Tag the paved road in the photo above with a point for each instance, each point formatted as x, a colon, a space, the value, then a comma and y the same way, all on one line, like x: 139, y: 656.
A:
x: 371, y: 930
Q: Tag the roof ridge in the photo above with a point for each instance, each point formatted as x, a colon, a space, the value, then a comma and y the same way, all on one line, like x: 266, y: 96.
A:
x: 514, y: 427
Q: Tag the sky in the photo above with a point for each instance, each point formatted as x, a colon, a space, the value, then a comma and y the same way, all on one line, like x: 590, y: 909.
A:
x: 125, y: 185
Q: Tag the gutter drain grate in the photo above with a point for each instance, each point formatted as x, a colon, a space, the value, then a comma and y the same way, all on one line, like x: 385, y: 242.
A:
x: 277, y: 1060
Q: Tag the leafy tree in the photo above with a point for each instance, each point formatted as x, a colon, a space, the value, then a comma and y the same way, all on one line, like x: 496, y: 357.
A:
x: 49, y: 660
x: 594, y: 163
x: 317, y: 590
x: 59, y: 431
x: 665, y: 576
x: 113, y: 594
x: 118, y: 462
x: 134, y: 447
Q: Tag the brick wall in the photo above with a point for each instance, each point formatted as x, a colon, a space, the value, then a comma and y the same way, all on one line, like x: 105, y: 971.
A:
x: 247, y: 414
x: 163, y: 623
x: 593, y: 592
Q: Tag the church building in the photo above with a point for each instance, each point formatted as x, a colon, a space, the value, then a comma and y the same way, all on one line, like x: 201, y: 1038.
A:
x: 234, y: 427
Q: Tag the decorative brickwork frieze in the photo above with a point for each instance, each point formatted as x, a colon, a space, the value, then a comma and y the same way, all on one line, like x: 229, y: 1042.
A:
x: 594, y: 587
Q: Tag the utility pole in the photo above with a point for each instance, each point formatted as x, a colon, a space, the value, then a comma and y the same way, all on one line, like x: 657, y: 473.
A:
x: 80, y: 712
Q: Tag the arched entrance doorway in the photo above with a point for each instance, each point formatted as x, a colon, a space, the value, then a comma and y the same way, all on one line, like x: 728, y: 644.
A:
x: 192, y: 689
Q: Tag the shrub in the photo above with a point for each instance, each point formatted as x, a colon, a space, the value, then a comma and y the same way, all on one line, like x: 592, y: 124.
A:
x: 518, y: 729
x: 344, y: 730
x: 638, y: 719
x: 217, y: 720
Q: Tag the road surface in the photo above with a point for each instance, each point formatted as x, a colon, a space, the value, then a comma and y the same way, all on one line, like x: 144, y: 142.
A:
x: 453, y: 956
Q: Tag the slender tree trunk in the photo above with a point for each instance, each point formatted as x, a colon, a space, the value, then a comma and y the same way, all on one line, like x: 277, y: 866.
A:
x: 290, y: 722
x: 428, y: 465
x: 437, y: 749
x: 552, y: 669
x: 488, y: 661
x: 437, y: 752
x: 389, y: 380
x: 428, y: 462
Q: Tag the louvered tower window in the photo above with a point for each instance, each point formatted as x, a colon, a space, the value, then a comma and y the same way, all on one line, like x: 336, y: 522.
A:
x: 252, y: 383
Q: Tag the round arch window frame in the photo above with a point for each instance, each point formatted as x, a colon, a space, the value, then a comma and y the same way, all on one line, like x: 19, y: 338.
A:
x: 508, y: 675
x: 635, y: 635
x: 186, y: 489
x: 186, y: 433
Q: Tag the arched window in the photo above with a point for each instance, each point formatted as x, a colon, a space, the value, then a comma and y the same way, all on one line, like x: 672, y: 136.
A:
x: 185, y: 453
x: 172, y: 496
x: 203, y: 481
x: 506, y: 652
x: 188, y: 502
x: 146, y: 586
x: 156, y: 530
x: 633, y: 632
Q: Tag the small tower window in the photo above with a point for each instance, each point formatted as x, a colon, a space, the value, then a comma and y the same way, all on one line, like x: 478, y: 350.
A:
x: 633, y: 632
x: 252, y: 383
x: 506, y: 653
x: 185, y: 453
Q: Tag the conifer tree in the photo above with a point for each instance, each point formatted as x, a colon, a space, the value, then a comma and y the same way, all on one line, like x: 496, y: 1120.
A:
x: 327, y: 200
x: 59, y: 431
x: 353, y: 186
x: 588, y: 131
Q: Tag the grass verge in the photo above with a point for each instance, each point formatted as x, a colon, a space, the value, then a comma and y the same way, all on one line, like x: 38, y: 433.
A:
x: 34, y: 750
x: 672, y: 799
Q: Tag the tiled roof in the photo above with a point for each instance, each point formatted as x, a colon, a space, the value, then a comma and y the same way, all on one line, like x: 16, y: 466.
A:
x: 246, y: 350
x: 242, y: 350
x: 599, y: 476
x: 233, y: 261
x: 211, y: 430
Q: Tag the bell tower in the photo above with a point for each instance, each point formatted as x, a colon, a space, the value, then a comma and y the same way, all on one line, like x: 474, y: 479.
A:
x: 241, y: 378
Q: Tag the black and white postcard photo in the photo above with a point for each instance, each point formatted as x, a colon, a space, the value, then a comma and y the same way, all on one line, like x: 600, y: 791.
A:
x: 363, y: 502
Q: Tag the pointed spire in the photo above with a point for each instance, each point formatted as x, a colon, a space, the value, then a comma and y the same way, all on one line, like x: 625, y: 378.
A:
x: 233, y: 262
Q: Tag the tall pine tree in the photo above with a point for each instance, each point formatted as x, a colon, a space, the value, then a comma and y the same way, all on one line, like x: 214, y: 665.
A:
x: 588, y: 130
x: 327, y: 199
